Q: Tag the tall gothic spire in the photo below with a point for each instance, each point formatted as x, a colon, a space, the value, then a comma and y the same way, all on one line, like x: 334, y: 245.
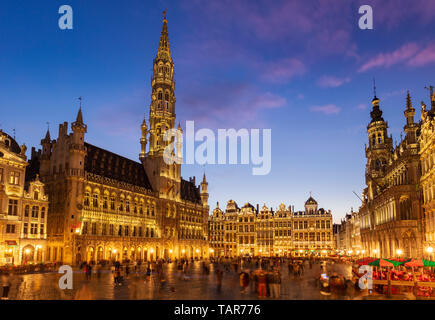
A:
x: 164, y: 49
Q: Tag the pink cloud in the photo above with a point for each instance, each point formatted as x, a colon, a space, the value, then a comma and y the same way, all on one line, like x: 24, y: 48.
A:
x: 326, y: 109
x: 393, y: 13
x: 386, y: 60
x: 283, y: 70
x: 424, y: 57
x: 361, y: 106
x: 331, y: 81
x: 222, y: 105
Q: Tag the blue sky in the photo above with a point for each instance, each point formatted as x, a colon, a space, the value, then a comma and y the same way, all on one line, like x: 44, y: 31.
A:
x: 302, y: 68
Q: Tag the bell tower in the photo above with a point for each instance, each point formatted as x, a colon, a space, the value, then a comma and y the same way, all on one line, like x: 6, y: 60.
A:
x: 378, y: 153
x: 164, y: 177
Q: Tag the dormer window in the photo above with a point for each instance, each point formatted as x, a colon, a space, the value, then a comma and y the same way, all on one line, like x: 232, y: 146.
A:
x: 7, y: 143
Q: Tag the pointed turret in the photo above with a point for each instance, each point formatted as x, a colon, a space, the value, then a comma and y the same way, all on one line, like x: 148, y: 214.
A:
x: 79, y: 118
x: 78, y: 125
x: 143, y: 140
x: 47, y: 137
x: 204, y: 194
x: 410, y: 127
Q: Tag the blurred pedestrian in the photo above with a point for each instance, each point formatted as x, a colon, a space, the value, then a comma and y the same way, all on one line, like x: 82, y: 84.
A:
x: 6, y: 284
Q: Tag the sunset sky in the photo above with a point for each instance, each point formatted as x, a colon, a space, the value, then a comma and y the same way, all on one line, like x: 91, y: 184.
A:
x: 301, y: 68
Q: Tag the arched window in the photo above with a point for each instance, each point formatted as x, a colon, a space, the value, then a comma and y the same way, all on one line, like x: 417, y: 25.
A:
x: 105, y: 201
x: 373, y: 139
x: 379, y: 138
x: 112, y: 202
x: 86, y: 201
x: 127, y: 205
x: 95, y: 200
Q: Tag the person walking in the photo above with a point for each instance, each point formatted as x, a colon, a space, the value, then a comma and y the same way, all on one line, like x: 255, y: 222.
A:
x: 275, y: 285
x: 6, y: 285
x: 262, y: 284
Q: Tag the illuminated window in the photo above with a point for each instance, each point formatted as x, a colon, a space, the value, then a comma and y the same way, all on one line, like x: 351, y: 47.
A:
x: 35, y: 211
x: 13, y: 207
x: 14, y: 178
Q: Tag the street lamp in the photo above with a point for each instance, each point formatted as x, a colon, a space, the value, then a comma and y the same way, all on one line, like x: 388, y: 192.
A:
x: 429, y: 250
x: 399, y: 252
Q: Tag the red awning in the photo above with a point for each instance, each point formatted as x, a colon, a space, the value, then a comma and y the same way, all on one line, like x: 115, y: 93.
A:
x: 11, y: 242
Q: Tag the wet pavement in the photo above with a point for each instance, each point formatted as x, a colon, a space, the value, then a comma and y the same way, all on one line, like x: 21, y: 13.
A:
x: 198, y: 286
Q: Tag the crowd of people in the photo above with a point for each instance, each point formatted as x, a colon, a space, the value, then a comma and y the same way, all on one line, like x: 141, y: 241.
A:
x: 257, y: 276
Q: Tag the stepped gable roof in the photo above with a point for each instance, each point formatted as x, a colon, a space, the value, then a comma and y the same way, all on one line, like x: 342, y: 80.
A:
x: 111, y: 165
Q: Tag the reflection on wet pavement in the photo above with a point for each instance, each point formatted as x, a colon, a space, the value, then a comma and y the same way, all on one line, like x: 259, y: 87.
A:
x: 199, y: 286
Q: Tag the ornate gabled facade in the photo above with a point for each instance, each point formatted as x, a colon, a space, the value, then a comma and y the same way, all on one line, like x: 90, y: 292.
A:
x: 23, y: 207
x: 390, y: 215
x: 312, y: 229
x: 427, y: 157
x: 251, y: 231
x: 107, y: 207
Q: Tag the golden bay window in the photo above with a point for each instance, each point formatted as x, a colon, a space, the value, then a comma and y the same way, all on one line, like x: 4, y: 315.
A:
x: 14, y: 178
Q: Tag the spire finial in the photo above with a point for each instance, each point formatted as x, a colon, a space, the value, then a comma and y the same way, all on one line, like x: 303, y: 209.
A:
x: 164, y: 14
x: 80, y: 98
x: 374, y: 86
